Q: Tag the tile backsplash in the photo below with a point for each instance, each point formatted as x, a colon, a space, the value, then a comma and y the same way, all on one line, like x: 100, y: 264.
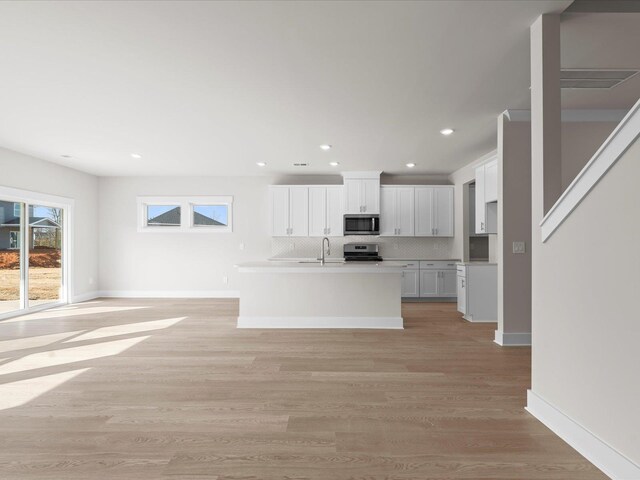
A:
x: 390, y: 247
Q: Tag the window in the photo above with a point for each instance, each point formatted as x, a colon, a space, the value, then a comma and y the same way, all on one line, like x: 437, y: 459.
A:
x: 16, y: 210
x: 163, y: 215
x: 185, y: 214
x: 14, y: 240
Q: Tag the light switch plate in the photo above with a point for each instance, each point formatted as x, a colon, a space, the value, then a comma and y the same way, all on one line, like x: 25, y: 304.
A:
x: 519, y: 247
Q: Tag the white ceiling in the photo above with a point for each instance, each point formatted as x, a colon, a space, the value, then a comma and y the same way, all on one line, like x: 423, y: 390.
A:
x: 211, y: 88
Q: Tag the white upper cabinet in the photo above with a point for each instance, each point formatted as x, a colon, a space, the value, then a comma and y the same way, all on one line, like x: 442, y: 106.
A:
x: 434, y: 211
x: 491, y: 181
x: 486, y: 197
x: 289, y: 211
x: 397, y: 211
x: 325, y: 211
x: 443, y: 211
x: 362, y: 192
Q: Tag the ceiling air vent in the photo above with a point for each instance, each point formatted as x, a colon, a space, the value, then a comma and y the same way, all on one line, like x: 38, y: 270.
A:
x: 300, y: 164
x: 591, y: 78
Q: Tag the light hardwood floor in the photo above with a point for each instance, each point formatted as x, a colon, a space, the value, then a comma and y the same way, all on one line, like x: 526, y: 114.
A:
x: 198, y: 399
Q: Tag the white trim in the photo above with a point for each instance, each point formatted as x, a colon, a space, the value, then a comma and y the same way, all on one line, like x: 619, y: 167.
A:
x: 321, y: 322
x: 512, y: 339
x: 186, y: 204
x: 569, y: 116
x: 469, y: 318
x: 607, y: 155
x: 169, y: 293
x: 606, y: 458
x: 85, y: 297
x: 370, y: 174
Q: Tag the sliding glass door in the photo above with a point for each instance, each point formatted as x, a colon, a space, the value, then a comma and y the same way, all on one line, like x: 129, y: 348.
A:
x: 31, y: 255
x: 10, y: 256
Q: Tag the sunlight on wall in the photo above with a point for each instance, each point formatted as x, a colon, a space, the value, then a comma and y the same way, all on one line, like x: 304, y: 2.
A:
x: 69, y: 355
x: 126, y: 329
x: 33, y: 342
x: 18, y: 393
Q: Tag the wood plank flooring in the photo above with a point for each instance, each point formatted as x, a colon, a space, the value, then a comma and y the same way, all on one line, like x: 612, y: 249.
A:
x: 195, y: 398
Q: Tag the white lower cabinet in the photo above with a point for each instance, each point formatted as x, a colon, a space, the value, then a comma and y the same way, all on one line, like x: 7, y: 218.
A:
x: 429, y: 279
x: 477, y: 285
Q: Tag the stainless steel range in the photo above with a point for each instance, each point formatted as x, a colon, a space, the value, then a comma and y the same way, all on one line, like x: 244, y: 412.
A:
x: 362, y: 252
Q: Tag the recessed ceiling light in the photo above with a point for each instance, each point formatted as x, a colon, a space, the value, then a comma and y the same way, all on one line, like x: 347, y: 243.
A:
x: 65, y: 156
x: 136, y: 155
x: 325, y: 147
x: 334, y: 164
x: 446, y: 131
x: 261, y: 164
x: 411, y: 165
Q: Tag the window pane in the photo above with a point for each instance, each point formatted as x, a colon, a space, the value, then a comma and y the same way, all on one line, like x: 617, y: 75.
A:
x: 163, y: 215
x: 211, y: 215
x: 9, y: 257
x: 45, y: 254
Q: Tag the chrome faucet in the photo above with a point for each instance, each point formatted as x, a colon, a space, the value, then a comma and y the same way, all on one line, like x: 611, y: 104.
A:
x: 322, y: 250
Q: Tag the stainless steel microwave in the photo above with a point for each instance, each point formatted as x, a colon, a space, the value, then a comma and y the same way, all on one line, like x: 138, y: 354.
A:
x: 363, y: 224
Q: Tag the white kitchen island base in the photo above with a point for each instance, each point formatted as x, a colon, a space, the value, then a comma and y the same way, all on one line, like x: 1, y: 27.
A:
x: 292, y: 295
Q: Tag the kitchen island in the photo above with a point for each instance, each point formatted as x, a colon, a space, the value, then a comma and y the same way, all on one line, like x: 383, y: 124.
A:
x: 311, y: 295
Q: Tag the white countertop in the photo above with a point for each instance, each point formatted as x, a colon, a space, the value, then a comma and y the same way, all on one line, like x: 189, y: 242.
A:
x: 270, y: 266
x: 478, y: 263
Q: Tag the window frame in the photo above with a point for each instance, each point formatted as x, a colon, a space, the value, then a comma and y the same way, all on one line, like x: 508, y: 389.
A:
x: 186, y: 204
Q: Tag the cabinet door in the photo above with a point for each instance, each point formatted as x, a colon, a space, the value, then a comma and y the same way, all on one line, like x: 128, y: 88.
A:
x: 447, y: 285
x: 462, y: 295
x: 491, y: 182
x: 424, y: 226
x: 352, y: 195
x: 299, y: 211
x: 405, y: 212
x: 481, y: 209
x: 443, y: 211
x: 317, y: 211
x: 335, y: 215
x: 370, y: 195
x: 279, y: 211
x: 388, y: 210
x: 429, y: 283
x: 410, y: 283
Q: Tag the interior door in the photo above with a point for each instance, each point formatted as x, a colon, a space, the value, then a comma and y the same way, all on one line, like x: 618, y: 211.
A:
x: 448, y: 285
x: 299, y: 211
x: 388, y: 211
x: 279, y: 211
x: 335, y: 211
x: 424, y: 211
x: 443, y: 211
x: 428, y: 283
x: 405, y: 214
x: 317, y: 211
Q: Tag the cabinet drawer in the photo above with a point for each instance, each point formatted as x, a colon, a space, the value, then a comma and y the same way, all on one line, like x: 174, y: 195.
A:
x: 412, y: 265
x: 462, y: 270
x: 437, y: 264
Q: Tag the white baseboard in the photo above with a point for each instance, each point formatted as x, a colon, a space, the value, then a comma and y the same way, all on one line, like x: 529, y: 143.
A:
x: 513, y: 339
x: 84, y: 297
x: 610, y: 461
x: 469, y: 318
x: 321, y: 322
x: 170, y: 293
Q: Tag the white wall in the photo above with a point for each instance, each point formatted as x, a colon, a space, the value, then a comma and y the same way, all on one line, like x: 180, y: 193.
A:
x: 585, y: 318
x: 29, y: 173
x: 184, y: 264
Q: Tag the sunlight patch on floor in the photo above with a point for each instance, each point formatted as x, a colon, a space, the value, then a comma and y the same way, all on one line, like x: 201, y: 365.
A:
x: 57, y: 313
x: 69, y: 355
x: 125, y: 329
x: 18, y: 393
x: 33, y: 342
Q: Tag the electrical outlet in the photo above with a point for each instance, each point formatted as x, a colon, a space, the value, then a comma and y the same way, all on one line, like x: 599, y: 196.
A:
x: 225, y: 279
x: 519, y: 247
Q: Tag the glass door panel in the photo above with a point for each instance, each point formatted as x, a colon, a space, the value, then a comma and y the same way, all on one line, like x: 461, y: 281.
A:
x: 10, y: 239
x: 45, y: 255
